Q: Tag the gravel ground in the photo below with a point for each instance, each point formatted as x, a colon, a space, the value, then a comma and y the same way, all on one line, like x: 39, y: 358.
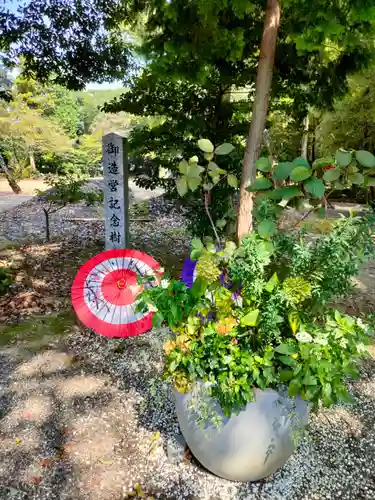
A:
x: 87, y: 418
x: 156, y: 226
x: 26, y: 223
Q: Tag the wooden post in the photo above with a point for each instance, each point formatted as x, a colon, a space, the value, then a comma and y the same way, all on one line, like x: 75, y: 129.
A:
x: 116, y: 191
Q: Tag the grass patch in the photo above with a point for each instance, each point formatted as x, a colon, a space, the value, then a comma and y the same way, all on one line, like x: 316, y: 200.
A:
x: 38, y: 331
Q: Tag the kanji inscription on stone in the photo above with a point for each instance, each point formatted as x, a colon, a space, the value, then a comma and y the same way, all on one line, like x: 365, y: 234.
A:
x: 116, y: 191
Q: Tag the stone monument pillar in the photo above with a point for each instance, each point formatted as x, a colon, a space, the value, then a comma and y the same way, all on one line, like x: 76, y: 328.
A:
x: 116, y: 191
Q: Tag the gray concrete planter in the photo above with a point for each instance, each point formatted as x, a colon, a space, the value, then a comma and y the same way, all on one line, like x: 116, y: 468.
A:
x: 248, y: 446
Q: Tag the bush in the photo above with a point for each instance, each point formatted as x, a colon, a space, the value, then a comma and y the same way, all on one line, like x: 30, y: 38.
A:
x: 257, y: 316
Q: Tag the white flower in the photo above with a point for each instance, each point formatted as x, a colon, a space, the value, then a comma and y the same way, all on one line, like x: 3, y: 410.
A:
x: 321, y: 340
x: 361, y: 347
x: 161, y: 270
x: 304, y: 337
x: 343, y: 343
x: 164, y: 283
x: 152, y: 308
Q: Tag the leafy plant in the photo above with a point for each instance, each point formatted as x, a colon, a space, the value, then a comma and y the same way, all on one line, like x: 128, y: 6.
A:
x: 257, y: 316
x: 6, y: 279
x: 65, y: 190
x: 299, y: 185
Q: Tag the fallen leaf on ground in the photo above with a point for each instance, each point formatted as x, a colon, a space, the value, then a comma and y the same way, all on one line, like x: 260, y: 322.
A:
x: 131, y: 493
x: 187, y: 456
x: 35, y: 479
x: 106, y: 462
x: 68, y: 430
x: 68, y: 447
x: 18, y: 441
x: 139, y: 491
x: 46, y: 462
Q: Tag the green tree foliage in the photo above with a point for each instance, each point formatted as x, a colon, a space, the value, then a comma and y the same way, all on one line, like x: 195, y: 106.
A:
x: 351, y: 123
x: 53, y: 102
x: 73, y: 42
x: 317, y: 44
x: 5, y: 85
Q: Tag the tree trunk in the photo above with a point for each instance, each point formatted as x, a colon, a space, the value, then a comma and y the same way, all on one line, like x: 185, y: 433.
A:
x: 258, y: 119
x: 305, y: 139
x: 46, y: 215
x: 9, y: 175
x: 32, y: 161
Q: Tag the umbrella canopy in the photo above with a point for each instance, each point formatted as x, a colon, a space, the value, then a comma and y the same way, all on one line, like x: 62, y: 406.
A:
x: 105, y: 290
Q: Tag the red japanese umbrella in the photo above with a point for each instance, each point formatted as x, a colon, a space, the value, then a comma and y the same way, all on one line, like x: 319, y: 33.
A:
x: 105, y: 289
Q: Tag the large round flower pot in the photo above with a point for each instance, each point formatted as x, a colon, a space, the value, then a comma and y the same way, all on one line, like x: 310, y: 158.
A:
x: 248, y: 446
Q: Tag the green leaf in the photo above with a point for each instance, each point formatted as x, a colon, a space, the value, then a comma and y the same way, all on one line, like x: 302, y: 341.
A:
x: 286, y: 375
x: 315, y: 187
x: 271, y: 283
x: 266, y: 228
x: 323, y: 162
x: 352, y: 169
x: 282, y: 171
x: 309, y: 380
x: 193, y: 159
x: 221, y: 223
x: 370, y: 181
x: 286, y: 349
x: 208, y: 186
x: 174, y: 310
x: 183, y: 166
x: 332, y: 175
x: 193, y: 183
x: 365, y: 158
x: 294, y: 321
x: 182, y: 186
x: 173, y: 365
x: 294, y: 388
x: 208, y: 156
x: 251, y: 318
x: 263, y: 164
x: 194, y: 170
x: 232, y: 180
x: 299, y: 174
x: 214, y: 170
x: 287, y: 360
x: 196, y: 244
x: 157, y: 320
x: 301, y: 162
x: 327, y: 393
x: 356, y: 178
x: 206, y: 146
x: 343, y: 158
x: 260, y: 184
x: 199, y: 287
x: 286, y: 192
x: 339, y: 186
x: 224, y: 149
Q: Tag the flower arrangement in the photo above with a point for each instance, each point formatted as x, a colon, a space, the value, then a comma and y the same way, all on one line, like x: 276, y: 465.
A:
x: 282, y: 332
x: 260, y: 314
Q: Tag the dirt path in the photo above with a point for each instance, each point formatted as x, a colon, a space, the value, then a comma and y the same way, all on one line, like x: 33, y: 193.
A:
x: 9, y: 200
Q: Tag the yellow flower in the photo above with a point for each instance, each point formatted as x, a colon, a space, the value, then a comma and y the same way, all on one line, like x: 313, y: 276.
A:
x: 225, y: 325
